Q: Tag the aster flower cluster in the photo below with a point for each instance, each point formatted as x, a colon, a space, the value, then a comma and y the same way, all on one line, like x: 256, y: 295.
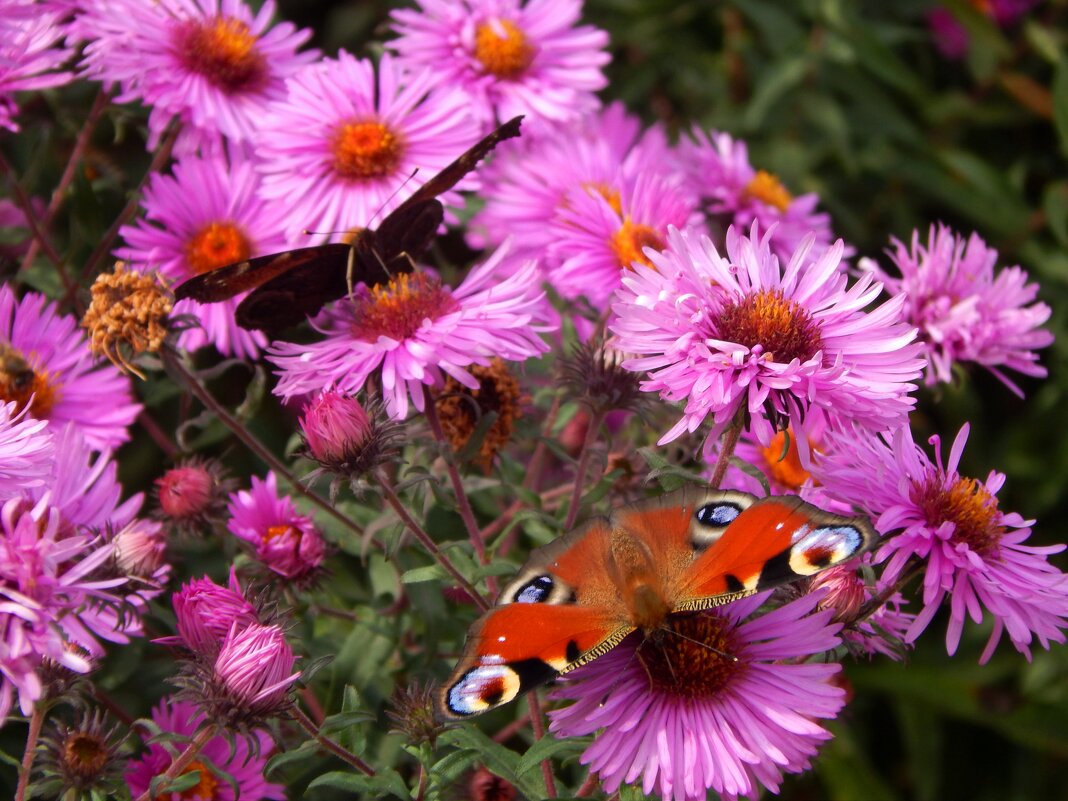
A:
x: 596, y: 305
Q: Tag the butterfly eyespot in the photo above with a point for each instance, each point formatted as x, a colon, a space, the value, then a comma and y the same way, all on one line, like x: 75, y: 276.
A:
x: 482, y: 688
x: 721, y: 513
x: 535, y: 591
x: 815, y: 549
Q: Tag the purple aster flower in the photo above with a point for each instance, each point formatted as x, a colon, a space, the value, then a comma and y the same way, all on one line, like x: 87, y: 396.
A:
x: 207, y: 215
x: 26, y: 451
x: 414, y: 330
x: 213, y: 64
x: 509, y: 57
x: 49, y: 592
x: 45, y: 356
x: 728, y: 726
x: 285, y: 541
x: 951, y: 38
x: 596, y: 239
x: 343, y: 145
x: 525, y: 186
x: 718, y: 169
x: 205, y: 612
x: 964, y: 312
x: 254, y: 670
x: 974, y: 552
x: 237, y: 759
x: 724, y: 334
x: 29, y: 56
x: 336, y: 428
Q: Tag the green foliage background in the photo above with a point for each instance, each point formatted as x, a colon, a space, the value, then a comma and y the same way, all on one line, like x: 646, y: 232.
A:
x: 845, y: 98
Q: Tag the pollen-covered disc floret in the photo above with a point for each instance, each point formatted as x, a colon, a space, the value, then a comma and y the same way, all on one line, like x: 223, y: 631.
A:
x: 974, y: 552
x: 510, y: 57
x: 415, y: 331
x: 720, y: 703
x: 215, y: 65
x: 739, y: 332
x: 965, y: 312
x: 127, y: 315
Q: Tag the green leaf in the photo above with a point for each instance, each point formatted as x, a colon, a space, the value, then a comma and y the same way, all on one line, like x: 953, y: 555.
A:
x: 433, y: 572
x: 497, y: 759
x: 548, y: 747
x: 387, y: 781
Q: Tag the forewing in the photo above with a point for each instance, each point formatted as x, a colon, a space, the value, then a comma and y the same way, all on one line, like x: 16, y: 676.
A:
x: 405, y: 235
x: 771, y: 542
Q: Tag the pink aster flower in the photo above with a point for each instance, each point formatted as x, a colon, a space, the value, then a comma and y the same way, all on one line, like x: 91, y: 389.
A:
x: 30, y: 57
x: 974, y: 552
x: 725, y: 726
x: 596, y: 239
x: 26, y: 451
x: 46, y: 357
x: 739, y: 332
x: 48, y: 592
x: 415, y: 330
x: 205, y: 612
x: 207, y: 215
x: 241, y: 763
x: 509, y: 57
x: 964, y: 311
x: 525, y: 186
x: 718, y: 169
x: 336, y: 428
x: 254, y: 669
x: 285, y: 541
x: 952, y: 39
x: 213, y: 64
x: 344, y: 143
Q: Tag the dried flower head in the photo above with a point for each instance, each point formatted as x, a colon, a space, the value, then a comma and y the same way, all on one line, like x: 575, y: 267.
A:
x: 462, y: 409
x: 83, y: 757
x: 594, y: 375
x: 411, y: 711
x: 486, y: 786
x: 193, y: 495
x: 127, y: 314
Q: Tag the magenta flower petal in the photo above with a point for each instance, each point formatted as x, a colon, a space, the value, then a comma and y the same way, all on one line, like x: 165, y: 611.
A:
x: 30, y: 55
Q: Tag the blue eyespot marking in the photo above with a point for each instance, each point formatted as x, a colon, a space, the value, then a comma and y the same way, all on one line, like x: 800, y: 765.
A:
x: 534, y: 591
x: 717, y: 514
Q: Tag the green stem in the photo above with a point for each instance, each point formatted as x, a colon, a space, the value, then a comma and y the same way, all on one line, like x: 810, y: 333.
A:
x: 332, y: 746
x: 580, y: 470
x: 539, y: 731
x: 177, y: 768
x: 726, y: 449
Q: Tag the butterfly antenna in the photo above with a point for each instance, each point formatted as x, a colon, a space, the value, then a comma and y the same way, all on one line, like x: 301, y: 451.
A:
x: 395, y: 192
x: 705, y: 645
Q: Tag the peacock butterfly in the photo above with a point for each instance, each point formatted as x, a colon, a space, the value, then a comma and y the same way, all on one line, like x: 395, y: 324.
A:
x: 579, y: 596
x: 289, y: 286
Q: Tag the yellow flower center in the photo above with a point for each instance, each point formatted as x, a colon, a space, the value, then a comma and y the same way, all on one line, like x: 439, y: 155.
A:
x: 274, y: 532
x: 608, y: 193
x: 19, y: 382
x: 783, y: 328
x: 203, y: 790
x: 968, y: 505
x: 628, y: 243
x: 785, y: 469
x: 503, y: 49
x: 398, y: 309
x: 766, y: 188
x: 216, y: 245
x: 223, y: 50
x: 365, y: 150
x: 695, y: 659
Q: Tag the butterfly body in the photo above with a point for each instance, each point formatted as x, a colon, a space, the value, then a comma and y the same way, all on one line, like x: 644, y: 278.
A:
x: 579, y: 596
x: 287, y: 287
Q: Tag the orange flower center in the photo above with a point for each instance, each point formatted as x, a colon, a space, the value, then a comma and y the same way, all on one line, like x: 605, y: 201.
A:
x: 785, y: 468
x: 608, y: 193
x: 365, y: 150
x: 766, y: 188
x: 19, y: 382
x: 203, y: 790
x: 502, y: 49
x: 274, y: 532
x: 968, y: 505
x: 398, y: 309
x: 628, y: 243
x: 216, y: 245
x: 784, y: 329
x: 223, y: 50
x: 695, y: 659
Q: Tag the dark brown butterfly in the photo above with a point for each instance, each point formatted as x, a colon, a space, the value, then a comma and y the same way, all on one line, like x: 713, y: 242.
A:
x: 289, y: 286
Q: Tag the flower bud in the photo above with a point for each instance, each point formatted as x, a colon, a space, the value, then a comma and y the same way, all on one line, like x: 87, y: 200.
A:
x: 206, y: 612
x: 254, y: 669
x: 336, y: 428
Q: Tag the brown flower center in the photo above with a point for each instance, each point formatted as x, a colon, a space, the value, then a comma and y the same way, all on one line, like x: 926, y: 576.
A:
x: 766, y: 188
x: 968, y: 505
x: 216, y: 245
x: 695, y: 659
x: 462, y: 409
x: 398, y: 309
x: 503, y: 49
x: 203, y: 790
x: 223, y: 50
x: 783, y: 328
x: 630, y: 239
x: 365, y: 149
x: 785, y: 468
x: 19, y: 382
x: 85, y: 755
